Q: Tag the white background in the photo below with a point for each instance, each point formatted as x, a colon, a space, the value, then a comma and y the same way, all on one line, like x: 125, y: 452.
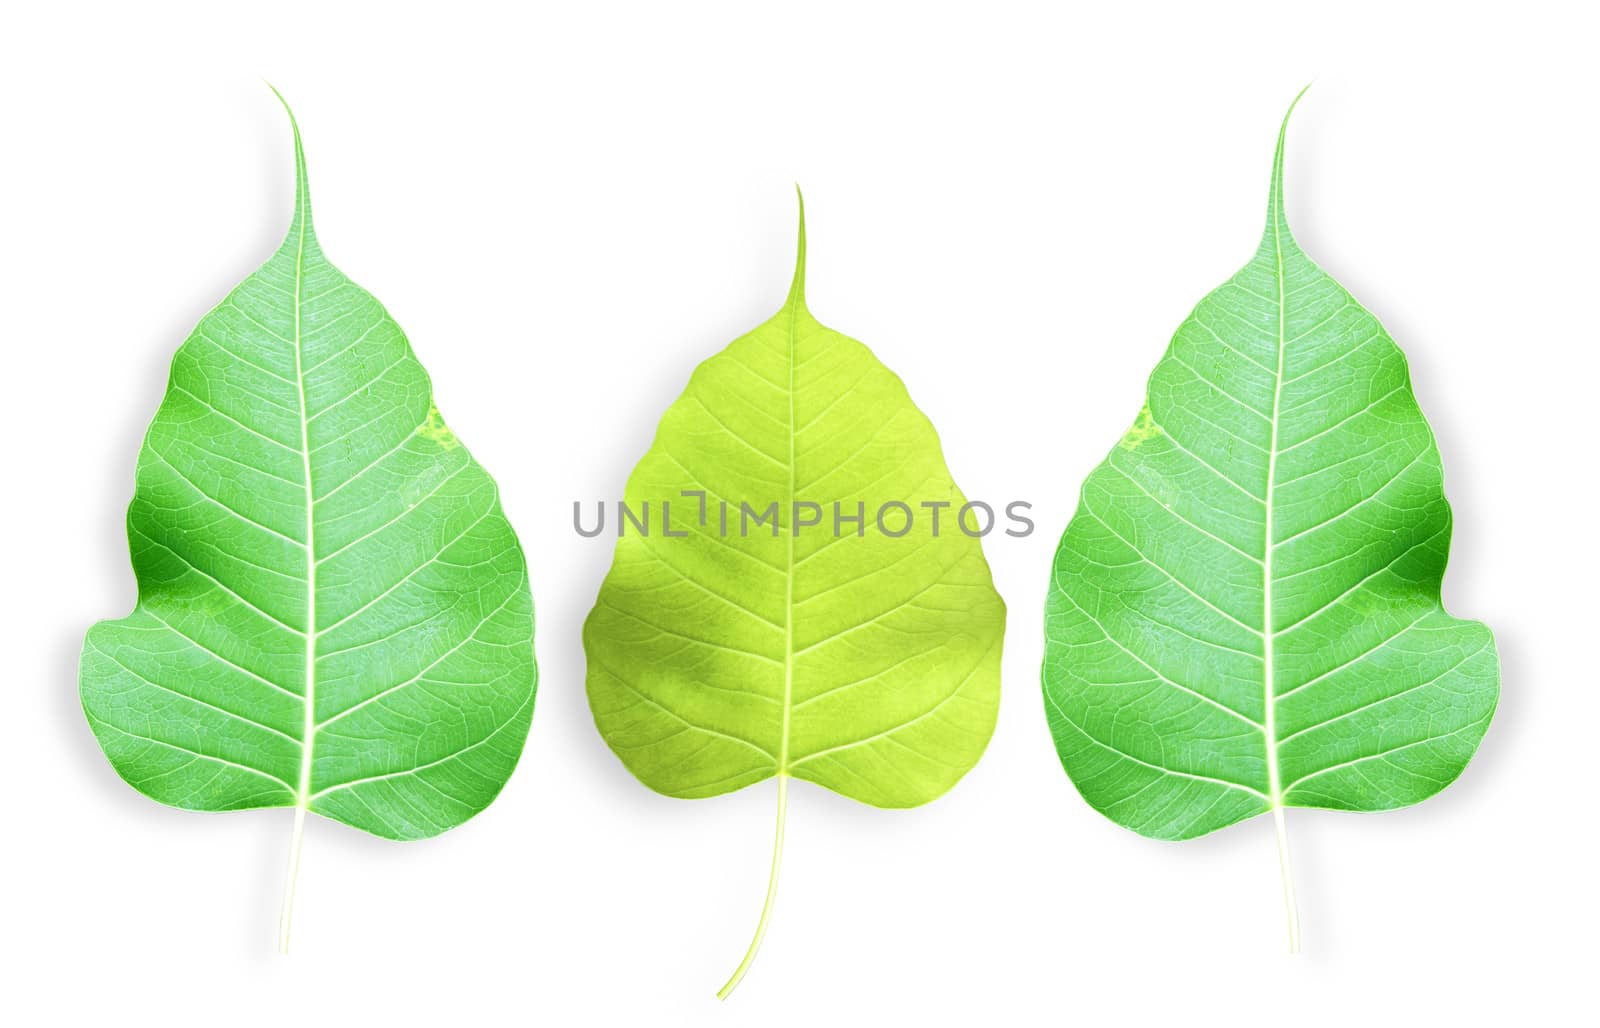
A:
x: 567, y: 208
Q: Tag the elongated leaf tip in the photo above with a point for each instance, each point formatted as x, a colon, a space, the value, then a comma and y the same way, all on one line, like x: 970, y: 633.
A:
x: 300, y: 228
x: 1277, y: 222
x: 797, y: 288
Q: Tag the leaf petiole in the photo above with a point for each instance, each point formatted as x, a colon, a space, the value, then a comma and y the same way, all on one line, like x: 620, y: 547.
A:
x: 1288, y: 878
x: 772, y: 892
x: 287, y: 917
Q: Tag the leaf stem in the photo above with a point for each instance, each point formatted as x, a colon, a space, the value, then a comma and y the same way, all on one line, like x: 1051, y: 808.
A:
x: 287, y: 917
x: 772, y: 892
x: 1288, y: 878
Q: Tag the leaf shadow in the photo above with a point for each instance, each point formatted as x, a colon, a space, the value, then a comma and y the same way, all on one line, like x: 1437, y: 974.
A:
x: 124, y: 807
x: 145, y: 383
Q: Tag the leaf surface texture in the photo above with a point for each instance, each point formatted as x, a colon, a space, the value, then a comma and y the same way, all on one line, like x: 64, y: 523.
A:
x: 1244, y: 612
x: 866, y: 664
x: 333, y: 612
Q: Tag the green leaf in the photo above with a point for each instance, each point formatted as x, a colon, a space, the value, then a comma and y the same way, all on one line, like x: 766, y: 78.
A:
x: 333, y: 613
x: 1245, y: 612
x: 864, y: 663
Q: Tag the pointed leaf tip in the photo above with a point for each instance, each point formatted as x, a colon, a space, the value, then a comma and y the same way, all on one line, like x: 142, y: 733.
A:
x: 300, y: 227
x: 1283, y: 130
x: 797, y: 288
x: 1277, y: 221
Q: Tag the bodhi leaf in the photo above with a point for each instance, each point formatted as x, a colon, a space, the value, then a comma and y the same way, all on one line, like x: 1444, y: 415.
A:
x: 836, y: 653
x: 333, y: 612
x: 1245, y: 613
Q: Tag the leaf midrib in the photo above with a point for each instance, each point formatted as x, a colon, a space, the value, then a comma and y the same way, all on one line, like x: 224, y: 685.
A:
x: 788, y: 571
x: 1269, y: 725
x: 309, y: 728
